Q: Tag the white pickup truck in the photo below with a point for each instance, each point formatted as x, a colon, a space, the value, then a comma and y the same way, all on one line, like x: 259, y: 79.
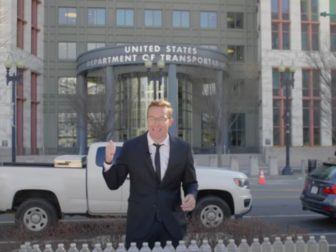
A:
x: 40, y: 196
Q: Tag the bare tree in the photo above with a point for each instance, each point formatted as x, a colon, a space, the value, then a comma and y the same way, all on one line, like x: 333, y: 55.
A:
x: 214, y: 106
x: 90, y: 106
x: 324, y: 61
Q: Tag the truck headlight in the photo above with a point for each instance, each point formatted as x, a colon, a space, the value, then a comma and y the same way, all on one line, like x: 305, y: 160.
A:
x: 242, y: 182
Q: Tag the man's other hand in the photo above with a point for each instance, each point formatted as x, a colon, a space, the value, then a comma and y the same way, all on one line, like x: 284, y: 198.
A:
x: 188, y: 203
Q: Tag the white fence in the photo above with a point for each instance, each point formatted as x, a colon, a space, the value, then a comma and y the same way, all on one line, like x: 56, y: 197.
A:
x: 277, y: 245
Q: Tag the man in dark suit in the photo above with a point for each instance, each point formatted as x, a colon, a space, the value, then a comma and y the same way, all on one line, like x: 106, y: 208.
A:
x: 157, y: 164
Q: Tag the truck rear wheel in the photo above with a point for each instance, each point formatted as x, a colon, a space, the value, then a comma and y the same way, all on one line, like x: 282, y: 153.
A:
x: 36, y: 215
x: 211, y: 211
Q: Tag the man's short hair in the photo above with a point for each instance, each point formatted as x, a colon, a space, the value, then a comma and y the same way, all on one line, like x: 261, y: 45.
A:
x: 163, y: 104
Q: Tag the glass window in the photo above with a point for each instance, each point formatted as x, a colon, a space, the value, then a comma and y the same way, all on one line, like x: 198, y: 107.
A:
x: 20, y: 23
x: 333, y: 11
x: 235, y: 20
x: 315, y: 37
x: 275, y: 36
x: 208, y: 133
x: 181, y: 19
x: 67, y: 16
x: 153, y: 18
x: 96, y: 124
x: 333, y: 38
x: 275, y: 7
x: 276, y: 112
x: 333, y: 98
x: 285, y: 9
x: 208, y: 20
x: 280, y: 13
x: 67, y: 50
x: 92, y: 45
x: 333, y: 83
x: 305, y: 82
x: 96, y: 16
x: 309, y: 25
x: 66, y: 85
x: 315, y: 10
x: 209, y: 89
x: 311, y: 107
x: 278, y: 109
x: 66, y: 125
x: 304, y: 10
x: 305, y: 106
x: 276, y: 82
x: 304, y: 36
x: 316, y: 82
x: 235, y: 53
x: 125, y: 17
x: 280, y: 24
x: 285, y: 36
x: 95, y: 85
x: 237, y: 129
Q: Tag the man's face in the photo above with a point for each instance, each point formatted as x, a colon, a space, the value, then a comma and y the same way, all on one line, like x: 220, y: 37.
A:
x: 158, y: 122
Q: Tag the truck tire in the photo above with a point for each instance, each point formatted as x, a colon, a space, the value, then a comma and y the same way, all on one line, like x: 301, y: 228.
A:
x: 36, y: 215
x: 211, y: 211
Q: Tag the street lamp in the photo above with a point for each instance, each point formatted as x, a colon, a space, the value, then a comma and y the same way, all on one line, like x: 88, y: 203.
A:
x: 14, y: 78
x: 155, y: 76
x: 288, y: 82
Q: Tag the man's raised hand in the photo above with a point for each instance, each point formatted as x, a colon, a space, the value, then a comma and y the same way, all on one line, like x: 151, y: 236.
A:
x: 109, y: 152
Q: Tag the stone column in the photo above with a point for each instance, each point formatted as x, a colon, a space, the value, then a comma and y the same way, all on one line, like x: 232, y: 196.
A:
x: 82, y: 114
x: 109, y: 102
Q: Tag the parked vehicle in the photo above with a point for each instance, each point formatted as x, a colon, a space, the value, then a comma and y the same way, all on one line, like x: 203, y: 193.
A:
x: 41, y: 195
x: 319, y: 192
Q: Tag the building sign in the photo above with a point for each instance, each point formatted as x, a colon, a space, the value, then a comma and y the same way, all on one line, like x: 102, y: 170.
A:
x: 138, y: 54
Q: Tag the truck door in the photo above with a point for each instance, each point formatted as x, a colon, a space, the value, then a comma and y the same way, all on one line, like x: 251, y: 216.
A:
x: 100, y: 198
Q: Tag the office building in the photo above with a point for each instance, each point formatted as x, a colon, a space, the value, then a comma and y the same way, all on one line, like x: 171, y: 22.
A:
x: 22, y: 48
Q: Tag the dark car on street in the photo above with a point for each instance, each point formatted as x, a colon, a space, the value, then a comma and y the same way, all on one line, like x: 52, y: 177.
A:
x: 319, y: 192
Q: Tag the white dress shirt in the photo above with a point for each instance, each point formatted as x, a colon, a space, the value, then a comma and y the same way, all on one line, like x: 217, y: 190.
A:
x: 164, y: 153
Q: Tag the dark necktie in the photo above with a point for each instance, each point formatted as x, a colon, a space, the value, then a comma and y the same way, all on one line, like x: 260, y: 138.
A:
x: 157, y: 160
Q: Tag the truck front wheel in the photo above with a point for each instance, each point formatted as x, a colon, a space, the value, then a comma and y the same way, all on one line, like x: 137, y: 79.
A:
x: 211, y: 211
x: 36, y: 215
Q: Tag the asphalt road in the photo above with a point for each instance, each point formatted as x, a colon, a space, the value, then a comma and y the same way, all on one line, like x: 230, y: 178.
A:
x: 278, y: 203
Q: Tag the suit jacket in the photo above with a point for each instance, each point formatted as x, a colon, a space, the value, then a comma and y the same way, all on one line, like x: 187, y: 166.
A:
x: 150, y: 198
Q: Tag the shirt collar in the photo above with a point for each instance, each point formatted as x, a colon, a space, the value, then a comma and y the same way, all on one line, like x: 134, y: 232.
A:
x: 151, y: 141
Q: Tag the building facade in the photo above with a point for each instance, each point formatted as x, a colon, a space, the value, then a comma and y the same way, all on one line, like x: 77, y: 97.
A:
x: 21, y: 45
x: 98, y: 48
x: 297, y: 48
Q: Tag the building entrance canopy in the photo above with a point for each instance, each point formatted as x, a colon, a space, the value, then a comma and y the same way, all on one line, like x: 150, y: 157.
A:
x: 138, y: 54
x: 171, y: 83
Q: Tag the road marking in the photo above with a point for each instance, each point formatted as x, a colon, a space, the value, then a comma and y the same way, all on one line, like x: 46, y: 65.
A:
x: 7, y: 222
x: 281, y: 216
x: 275, y: 197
